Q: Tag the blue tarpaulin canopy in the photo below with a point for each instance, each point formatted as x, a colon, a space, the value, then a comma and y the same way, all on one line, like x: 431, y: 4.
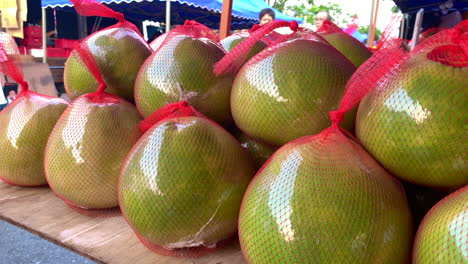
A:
x: 244, y: 12
x: 412, y: 6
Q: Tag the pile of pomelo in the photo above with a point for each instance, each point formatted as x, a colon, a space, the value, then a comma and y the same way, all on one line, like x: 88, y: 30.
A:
x: 311, y: 148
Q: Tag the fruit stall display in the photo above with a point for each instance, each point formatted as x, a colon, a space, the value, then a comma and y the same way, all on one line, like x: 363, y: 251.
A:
x: 308, y: 148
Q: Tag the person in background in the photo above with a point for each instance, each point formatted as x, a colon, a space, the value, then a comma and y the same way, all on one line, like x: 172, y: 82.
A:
x: 320, y: 17
x: 11, y: 96
x: 267, y: 15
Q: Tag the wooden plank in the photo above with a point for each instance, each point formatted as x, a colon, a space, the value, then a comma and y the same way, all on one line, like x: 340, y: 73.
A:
x: 225, y: 24
x: 106, y: 240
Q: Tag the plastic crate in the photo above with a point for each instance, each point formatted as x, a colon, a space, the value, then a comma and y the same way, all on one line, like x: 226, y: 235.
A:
x: 66, y: 43
x: 32, y: 36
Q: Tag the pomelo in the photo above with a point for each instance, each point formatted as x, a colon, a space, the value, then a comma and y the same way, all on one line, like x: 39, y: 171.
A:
x: 25, y: 126
x: 119, y: 53
x: 157, y: 42
x: 443, y: 233
x: 324, y: 199
x: 354, y: 50
x: 414, y: 122
x: 288, y: 93
x: 182, y: 183
x: 87, y: 148
x: 230, y: 42
x: 182, y: 70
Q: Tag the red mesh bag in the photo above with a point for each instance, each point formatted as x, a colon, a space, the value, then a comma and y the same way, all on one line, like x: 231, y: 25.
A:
x: 157, y: 42
x: 25, y: 125
x: 430, y: 32
x: 88, y: 145
x: 414, y: 123
x: 286, y: 91
x: 9, y: 44
x: 354, y: 50
x: 324, y: 199
x: 182, y: 70
x: 230, y: 42
x: 181, y: 185
x: 119, y: 51
x: 442, y: 236
x: 391, y: 33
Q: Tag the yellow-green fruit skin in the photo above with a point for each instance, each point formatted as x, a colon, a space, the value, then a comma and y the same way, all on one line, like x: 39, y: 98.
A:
x: 323, y: 199
x: 87, y: 148
x: 183, y: 70
x: 289, y: 92
x: 182, y: 184
x: 355, y: 51
x: 415, y: 125
x: 119, y: 53
x: 442, y: 235
x: 25, y: 126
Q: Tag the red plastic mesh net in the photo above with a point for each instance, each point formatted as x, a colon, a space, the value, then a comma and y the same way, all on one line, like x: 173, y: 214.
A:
x: 430, y: 32
x: 390, y: 33
x: 414, y: 123
x: 88, y: 146
x: 181, y: 185
x: 286, y: 91
x: 9, y: 44
x: 236, y: 57
x: 354, y: 50
x: 25, y: 125
x: 442, y: 235
x: 157, y: 42
x: 182, y: 70
x: 324, y: 199
x: 119, y: 50
x: 230, y: 42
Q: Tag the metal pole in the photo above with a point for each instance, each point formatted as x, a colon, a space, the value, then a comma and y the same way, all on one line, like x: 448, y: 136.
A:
x: 44, y: 37
x: 225, y: 23
x: 369, y: 32
x: 417, y: 28
x: 168, y: 15
x: 82, y: 27
x: 374, y: 25
x: 402, y: 27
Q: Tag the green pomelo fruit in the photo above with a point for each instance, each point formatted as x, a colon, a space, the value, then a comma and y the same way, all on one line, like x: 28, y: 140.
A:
x: 182, y: 70
x: 156, y: 43
x: 443, y: 233
x: 414, y: 124
x: 260, y: 152
x: 289, y: 93
x: 182, y: 184
x: 230, y: 42
x: 323, y: 199
x: 87, y: 148
x: 25, y: 126
x: 354, y: 50
x: 119, y: 54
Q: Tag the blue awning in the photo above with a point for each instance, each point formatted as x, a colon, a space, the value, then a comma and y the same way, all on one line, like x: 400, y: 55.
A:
x: 412, y: 6
x: 204, y: 11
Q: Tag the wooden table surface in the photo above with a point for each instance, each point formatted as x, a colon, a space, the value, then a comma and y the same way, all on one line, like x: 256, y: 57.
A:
x: 105, y: 240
